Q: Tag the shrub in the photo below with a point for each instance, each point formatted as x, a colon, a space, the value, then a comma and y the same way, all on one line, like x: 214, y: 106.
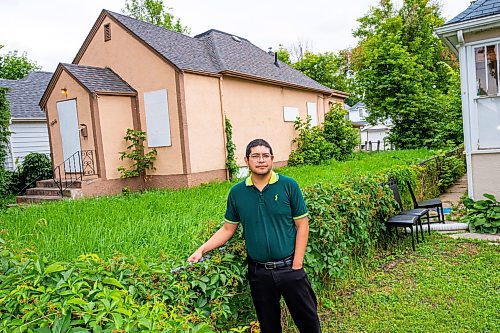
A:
x: 135, y: 152
x: 5, y: 182
x: 35, y: 166
x: 120, y: 294
x: 312, y: 147
x: 336, y: 139
x: 338, y: 130
x: 483, y: 215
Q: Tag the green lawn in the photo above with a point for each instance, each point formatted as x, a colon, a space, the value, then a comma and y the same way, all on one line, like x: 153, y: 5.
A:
x: 161, y: 223
x: 447, y: 285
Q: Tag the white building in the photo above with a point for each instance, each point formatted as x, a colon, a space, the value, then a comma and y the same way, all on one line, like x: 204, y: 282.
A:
x: 373, y: 137
x: 28, y: 123
x: 474, y: 35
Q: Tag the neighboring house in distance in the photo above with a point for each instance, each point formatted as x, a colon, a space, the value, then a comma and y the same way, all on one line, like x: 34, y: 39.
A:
x: 372, y: 136
x: 178, y: 89
x: 474, y: 35
x: 28, y: 124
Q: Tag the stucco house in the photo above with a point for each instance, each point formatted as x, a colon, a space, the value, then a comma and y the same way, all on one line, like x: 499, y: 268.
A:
x: 474, y: 35
x: 373, y: 137
x: 178, y: 89
x: 28, y: 122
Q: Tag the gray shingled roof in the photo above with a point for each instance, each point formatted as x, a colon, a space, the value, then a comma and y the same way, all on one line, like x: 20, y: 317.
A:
x: 216, y: 52
x: 23, y: 95
x: 480, y: 8
x: 98, y: 79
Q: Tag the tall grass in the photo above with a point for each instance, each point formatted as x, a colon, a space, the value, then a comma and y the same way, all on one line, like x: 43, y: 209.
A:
x: 159, y: 223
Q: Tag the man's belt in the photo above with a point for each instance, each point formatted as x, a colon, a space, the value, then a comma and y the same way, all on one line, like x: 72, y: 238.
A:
x: 270, y: 265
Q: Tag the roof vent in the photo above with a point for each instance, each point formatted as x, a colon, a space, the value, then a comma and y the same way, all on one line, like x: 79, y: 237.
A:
x: 107, y: 32
x: 236, y: 38
x: 276, y: 63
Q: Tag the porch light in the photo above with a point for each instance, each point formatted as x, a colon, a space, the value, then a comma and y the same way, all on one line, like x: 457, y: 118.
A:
x: 64, y: 91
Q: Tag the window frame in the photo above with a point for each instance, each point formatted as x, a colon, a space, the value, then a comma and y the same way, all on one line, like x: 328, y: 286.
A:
x: 473, y: 98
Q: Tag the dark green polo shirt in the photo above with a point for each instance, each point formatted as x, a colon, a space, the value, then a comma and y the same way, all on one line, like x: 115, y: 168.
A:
x: 267, y: 217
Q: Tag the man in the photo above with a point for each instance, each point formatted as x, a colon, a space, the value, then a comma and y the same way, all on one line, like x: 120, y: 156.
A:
x: 275, y: 226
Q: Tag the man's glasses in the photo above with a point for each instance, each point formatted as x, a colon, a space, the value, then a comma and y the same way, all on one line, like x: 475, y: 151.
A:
x: 257, y: 157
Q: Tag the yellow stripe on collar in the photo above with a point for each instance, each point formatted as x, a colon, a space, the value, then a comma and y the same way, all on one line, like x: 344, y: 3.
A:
x: 274, y: 178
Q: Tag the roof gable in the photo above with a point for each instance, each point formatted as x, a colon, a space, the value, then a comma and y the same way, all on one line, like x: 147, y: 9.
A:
x: 477, y: 9
x: 23, y: 95
x: 99, y: 80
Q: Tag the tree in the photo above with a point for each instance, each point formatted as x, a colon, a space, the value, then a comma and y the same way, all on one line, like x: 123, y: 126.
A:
x: 404, y: 74
x: 332, y: 70
x: 154, y: 12
x: 284, y: 55
x: 14, y: 66
x: 338, y: 131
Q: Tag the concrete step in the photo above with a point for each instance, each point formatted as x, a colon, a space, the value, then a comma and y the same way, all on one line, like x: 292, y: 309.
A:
x: 46, y: 191
x: 26, y: 199
x: 50, y: 183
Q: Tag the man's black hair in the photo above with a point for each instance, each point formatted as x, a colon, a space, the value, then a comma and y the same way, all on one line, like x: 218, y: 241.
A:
x: 255, y: 143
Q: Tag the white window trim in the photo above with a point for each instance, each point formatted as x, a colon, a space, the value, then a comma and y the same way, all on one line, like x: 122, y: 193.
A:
x: 473, y: 122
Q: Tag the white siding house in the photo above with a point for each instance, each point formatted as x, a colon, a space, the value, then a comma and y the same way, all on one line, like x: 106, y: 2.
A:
x: 373, y: 137
x: 474, y: 35
x: 28, y: 125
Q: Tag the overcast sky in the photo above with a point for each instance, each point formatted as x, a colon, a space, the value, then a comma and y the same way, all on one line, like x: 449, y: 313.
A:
x: 52, y: 31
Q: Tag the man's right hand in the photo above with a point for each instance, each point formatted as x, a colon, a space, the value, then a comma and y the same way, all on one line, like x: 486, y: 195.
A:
x: 196, y: 256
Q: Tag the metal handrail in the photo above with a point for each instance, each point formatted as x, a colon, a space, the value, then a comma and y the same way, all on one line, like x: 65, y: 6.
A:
x: 80, y: 164
x: 39, y: 175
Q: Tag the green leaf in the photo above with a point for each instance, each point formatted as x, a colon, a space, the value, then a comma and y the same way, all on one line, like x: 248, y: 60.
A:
x: 43, y: 330
x: 57, y: 267
x: 113, y: 282
x: 62, y: 325
x: 117, y: 318
x: 77, y: 301
x: 490, y: 196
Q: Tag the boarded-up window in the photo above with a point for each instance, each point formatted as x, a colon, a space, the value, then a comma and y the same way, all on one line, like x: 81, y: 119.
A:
x: 107, y: 32
x: 312, y: 112
x: 157, y: 118
x: 290, y: 113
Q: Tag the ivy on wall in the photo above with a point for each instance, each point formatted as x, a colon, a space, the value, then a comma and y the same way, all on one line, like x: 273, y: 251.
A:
x: 231, y: 165
x: 4, y: 125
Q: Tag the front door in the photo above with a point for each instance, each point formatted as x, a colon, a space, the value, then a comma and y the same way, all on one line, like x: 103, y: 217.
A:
x: 70, y: 135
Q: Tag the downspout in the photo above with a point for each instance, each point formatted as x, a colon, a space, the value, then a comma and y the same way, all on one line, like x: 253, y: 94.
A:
x: 464, y: 87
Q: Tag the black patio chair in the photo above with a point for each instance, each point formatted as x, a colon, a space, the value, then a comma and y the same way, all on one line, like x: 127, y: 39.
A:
x: 403, y: 221
x: 420, y: 212
x: 430, y: 203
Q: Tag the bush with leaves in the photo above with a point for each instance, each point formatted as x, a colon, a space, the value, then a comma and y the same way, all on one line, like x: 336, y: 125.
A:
x: 338, y: 130
x: 35, y: 166
x: 312, y: 147
x: 141, y: 162
x: 483, y: 215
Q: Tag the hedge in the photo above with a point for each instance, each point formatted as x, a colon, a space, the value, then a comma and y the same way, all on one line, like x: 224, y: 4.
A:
x: 128, y: 295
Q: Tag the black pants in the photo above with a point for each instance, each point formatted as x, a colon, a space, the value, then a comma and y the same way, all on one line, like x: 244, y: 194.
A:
x: 268, y: 286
